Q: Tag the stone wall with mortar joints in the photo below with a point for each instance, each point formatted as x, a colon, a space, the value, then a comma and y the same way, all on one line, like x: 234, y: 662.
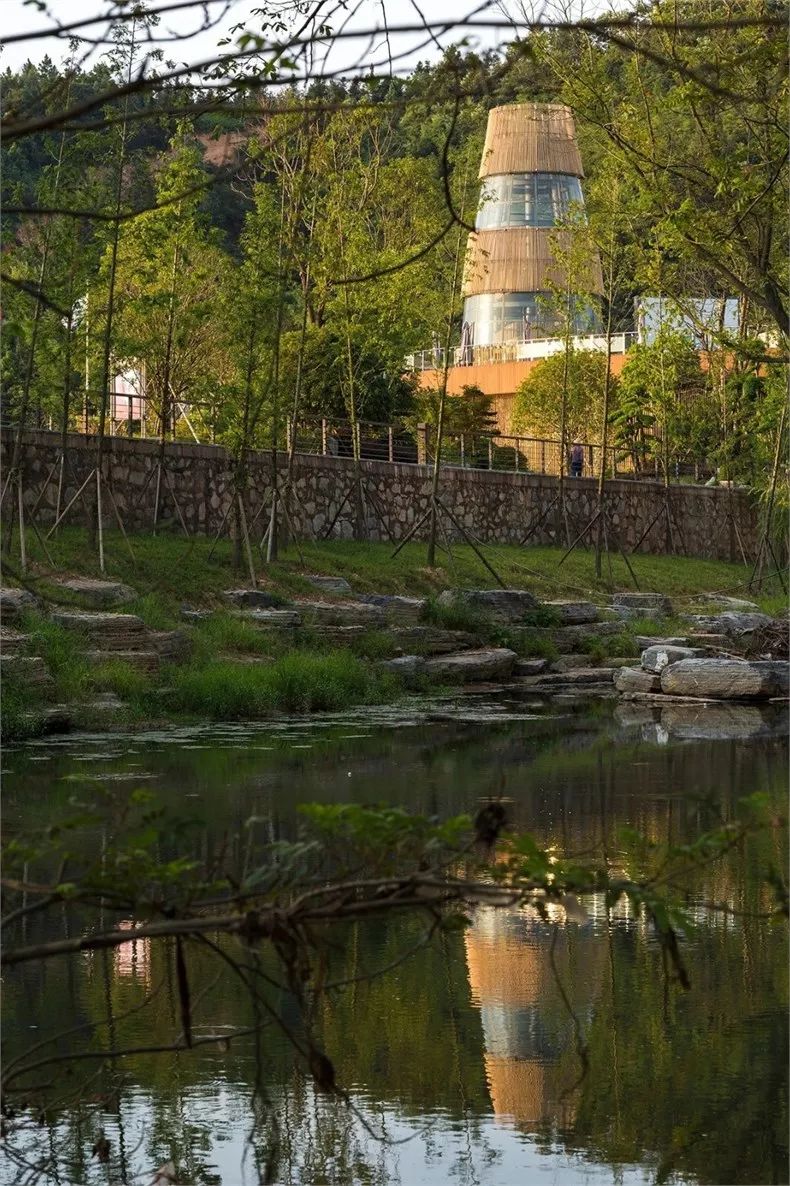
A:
x: 496, y: 507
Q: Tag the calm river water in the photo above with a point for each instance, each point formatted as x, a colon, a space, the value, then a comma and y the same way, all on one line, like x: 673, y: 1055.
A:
x: 461, y: 1062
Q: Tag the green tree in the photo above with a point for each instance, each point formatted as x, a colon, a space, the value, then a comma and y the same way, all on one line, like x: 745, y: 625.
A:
x: 538, y: 406
x: 662, y: 387
x: 697, y: 121
x: 169, y: 278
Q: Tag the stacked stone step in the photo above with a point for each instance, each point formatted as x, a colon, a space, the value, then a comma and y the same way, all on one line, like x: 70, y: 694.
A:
x: 29, y: 670
x: 122, y: 637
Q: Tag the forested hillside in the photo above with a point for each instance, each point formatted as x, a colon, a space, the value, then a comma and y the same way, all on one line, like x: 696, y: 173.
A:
x: 248, y: 244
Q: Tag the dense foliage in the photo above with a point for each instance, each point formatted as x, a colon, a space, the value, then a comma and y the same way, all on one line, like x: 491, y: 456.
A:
x: 282, y: 256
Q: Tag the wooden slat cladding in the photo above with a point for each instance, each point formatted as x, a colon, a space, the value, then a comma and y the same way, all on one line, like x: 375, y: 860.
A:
x: 531, y: 138
x: 519, y: 260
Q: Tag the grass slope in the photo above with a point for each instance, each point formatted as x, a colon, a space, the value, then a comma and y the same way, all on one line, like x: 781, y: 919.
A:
x: 169, y: 570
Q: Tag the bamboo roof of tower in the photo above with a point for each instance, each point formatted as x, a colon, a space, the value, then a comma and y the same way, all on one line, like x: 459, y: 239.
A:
x: 531, y: 138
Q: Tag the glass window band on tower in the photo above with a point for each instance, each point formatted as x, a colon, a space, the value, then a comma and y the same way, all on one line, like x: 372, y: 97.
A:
x: 527, y: 199
x: 504, y: 317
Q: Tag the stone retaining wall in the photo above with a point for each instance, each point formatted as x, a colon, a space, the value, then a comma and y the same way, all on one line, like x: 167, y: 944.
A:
x: 714, y: 523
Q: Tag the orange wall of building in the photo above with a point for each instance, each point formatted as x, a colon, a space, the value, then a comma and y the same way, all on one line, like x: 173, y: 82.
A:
x: 500, y: 380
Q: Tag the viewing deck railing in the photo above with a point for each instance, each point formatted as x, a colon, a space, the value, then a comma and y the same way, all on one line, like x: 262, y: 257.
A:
x: 521, y: 351
x: 416, y: 444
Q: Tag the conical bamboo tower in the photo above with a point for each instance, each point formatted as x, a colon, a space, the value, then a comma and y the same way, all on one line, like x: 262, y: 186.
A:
x: 532, y: 173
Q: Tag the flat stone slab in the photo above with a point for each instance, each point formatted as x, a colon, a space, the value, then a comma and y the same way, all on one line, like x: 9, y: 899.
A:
x: 719, y: 641
x: 406, y: 666
x: 272, y: 619
x: 30, y: 670
x: 529, y: 667
x: 647, y: 640
x: 172, y: 645
x: 12, y: 642
x: 578, y: 662
x: 472, y: 666
x: 97, y: 594
x: 14, y: 602
x: 432, y: 640
x: 634, y: 679
x: 342, y: 636
x: 145, y: 661
x: 340, y: 613
x: 571, y: 662
x: 581, y: 676
x: 575, y: 613
x: 337, y: 585
x: 252, y: 599
x: 644, y: 601
x: 397, y: 610
x: 729, y: 603
x: 731, y: 623
x: 626, y: 614
x: 726, y: 679
x: 656, y: 658
x: 106, y: 631
x: 500, y: 605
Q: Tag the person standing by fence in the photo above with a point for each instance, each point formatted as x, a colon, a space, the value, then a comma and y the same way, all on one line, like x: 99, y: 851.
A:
x: 577, y: 460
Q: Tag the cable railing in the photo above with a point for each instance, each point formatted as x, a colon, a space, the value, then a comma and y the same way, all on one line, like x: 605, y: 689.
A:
x: 516, y: 351
x: 411, y: 443
x: 415, y: 444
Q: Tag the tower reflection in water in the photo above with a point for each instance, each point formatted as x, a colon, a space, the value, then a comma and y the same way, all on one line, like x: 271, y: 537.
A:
x: 531, y: 1058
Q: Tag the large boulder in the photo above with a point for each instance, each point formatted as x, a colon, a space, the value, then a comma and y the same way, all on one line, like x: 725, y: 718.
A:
x: 633, y: 679
x: 726, y: 679
x: 472, y: 666
x: 656, y: 658
x: 638, y: 603
x: 500, y: 605
x: 574, y: 613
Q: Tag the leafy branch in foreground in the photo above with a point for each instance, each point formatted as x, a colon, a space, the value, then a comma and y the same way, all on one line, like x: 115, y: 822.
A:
x: 349, y: 863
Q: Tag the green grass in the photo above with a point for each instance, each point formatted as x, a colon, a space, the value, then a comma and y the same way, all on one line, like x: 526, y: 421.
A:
x: 374, y: 644
x: 18, y: 704
x: 133, y: 686
x: 226, y: 633
x: 61, y: 651
x: 609, y: 646
x: 178, y: 571
x: 456, y: 616
x: 297, y: 682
